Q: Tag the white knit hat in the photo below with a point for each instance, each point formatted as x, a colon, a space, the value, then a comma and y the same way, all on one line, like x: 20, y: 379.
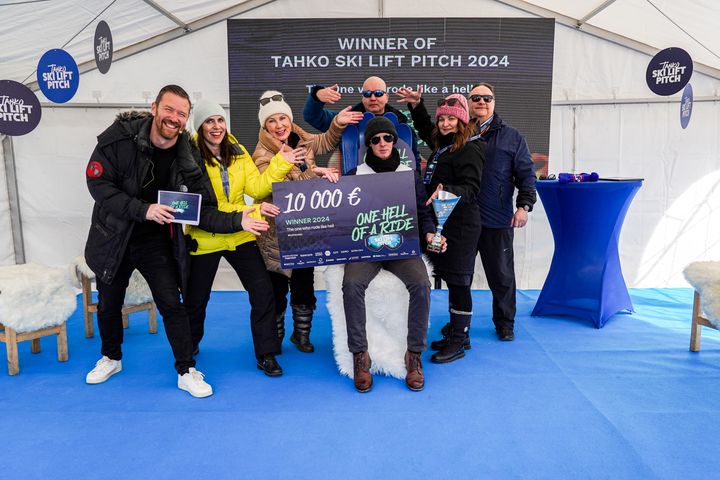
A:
x: 203, y: 110
x: 273, y: 106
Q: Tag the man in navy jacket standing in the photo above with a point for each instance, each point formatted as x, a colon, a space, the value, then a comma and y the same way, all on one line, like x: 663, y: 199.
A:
x: 508, y: 166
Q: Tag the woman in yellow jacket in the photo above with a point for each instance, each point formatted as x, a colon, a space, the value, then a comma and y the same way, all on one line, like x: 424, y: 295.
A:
x: 233, y: 174
x: 277, y: 131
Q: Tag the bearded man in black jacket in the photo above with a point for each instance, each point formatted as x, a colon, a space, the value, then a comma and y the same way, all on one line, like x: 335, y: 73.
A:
x: 138, y: 155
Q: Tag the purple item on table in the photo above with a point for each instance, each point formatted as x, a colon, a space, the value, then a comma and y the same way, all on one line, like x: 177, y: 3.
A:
x: 577, y: 177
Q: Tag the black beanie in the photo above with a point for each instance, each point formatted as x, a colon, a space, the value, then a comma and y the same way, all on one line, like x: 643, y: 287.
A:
x: 379, y: 125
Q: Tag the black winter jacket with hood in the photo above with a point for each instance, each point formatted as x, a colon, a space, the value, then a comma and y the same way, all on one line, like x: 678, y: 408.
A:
x: 114, y: 176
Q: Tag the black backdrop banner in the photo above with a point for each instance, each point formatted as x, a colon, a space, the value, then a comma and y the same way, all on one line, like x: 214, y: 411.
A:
x: 445, y: 55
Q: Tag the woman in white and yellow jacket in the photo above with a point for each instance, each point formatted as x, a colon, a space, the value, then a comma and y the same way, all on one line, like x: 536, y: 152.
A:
x: 233, y: 174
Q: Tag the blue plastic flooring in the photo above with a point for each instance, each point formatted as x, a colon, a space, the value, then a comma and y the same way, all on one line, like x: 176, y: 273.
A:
x: 564, y: 400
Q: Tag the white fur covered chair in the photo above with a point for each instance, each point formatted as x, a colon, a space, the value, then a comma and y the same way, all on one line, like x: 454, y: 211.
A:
x: 138, y: 297
x: 386, y: 304
x: 35, y: 301
x: 705, y: 279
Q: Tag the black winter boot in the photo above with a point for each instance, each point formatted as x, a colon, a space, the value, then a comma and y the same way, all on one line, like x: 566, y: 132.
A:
x: 280, y: 322
x: 302, y: 322
x: 455, y: 346
x: 446, y: 332
x: 505, y: 330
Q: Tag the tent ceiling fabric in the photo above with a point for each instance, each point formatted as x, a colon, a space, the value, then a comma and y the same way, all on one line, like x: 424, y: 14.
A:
x: 640, y: 20
x: 697, y: 17
x: 37, y: 27
x: 40, y: 26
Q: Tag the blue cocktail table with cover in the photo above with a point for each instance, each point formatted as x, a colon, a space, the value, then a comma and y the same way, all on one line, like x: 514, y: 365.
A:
x: 585, y: 278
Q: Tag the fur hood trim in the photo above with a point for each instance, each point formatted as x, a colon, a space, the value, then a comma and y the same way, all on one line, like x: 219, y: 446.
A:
x: 132, y: 115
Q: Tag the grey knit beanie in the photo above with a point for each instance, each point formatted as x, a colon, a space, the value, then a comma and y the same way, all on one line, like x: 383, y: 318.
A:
x: 203, y: 110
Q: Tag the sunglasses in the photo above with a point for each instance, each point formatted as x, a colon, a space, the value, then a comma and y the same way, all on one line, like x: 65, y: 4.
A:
x: 450, y: 102
x: 370, y: 93
x: 274, y: 98
x: 387, y: 137
x: 486, y: 98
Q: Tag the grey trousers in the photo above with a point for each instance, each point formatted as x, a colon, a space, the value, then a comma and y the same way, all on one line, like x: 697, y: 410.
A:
x: 412, y: 272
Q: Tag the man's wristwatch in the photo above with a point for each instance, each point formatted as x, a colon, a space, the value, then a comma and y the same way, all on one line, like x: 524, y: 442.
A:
x: 526, y: 208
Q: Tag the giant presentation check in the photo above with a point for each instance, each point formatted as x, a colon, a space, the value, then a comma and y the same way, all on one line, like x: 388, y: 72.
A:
x: 362, y: 218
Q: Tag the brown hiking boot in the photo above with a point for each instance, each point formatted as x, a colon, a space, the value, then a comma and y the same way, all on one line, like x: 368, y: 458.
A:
x: 414, y: 378
x: 361, y: 372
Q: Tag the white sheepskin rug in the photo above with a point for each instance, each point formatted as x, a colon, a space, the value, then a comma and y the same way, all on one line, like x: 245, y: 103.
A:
x: 386, y: 305
x: 705, y: 278
x: 137, y: 292
x: 33, y: 297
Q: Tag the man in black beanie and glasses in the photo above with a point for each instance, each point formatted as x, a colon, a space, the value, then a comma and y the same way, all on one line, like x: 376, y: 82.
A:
x: 381, y: 157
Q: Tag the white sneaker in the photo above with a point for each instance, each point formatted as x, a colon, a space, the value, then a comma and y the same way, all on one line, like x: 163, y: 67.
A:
x: 194, y: 383
x: 104, y: 369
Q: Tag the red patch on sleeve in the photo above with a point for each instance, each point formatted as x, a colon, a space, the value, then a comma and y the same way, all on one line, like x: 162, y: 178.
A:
x: 94, y: 170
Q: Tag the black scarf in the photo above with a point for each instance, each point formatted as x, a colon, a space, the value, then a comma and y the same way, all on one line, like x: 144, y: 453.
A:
x: 447, y: 139
x: 380, y: 166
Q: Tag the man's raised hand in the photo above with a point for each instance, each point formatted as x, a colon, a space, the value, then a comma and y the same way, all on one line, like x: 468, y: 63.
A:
x: 329, y: 94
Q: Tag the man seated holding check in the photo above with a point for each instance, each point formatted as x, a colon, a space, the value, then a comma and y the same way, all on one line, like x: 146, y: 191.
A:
x: 382, y: 156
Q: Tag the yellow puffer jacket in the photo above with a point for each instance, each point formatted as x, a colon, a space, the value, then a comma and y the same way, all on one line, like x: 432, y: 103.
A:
x: 244, y: 178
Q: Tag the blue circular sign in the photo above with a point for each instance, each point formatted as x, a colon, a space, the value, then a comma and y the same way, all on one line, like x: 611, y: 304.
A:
x: 686, y: 104
x: 58, y: 76
x: 669, y: 71
x: 20, y: 109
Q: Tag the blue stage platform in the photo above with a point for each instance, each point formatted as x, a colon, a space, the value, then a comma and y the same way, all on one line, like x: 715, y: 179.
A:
x: 564, y: 400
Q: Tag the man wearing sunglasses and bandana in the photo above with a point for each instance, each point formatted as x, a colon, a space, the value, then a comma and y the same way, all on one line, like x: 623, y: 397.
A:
x: 382, y: 156
x: 508, y: 166
x: 373, y: 99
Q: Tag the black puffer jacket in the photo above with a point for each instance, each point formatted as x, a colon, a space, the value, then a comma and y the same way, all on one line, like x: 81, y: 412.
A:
x: 460, y: 172
x: 114, y: 176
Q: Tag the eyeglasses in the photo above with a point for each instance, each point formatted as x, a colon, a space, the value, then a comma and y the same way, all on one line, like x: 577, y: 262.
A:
x: 450, y: 102
x: 486, y: 98
x: 386, y: 137
x: 370, y: 93
x: 274, y: 98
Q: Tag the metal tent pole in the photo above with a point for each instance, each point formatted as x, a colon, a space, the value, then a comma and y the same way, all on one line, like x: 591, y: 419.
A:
x: 13, y: 199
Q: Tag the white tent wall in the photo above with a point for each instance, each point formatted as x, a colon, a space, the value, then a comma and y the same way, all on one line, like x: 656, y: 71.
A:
x: 54, y: 201
x: 675, y: 217
x: 638, y: 139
